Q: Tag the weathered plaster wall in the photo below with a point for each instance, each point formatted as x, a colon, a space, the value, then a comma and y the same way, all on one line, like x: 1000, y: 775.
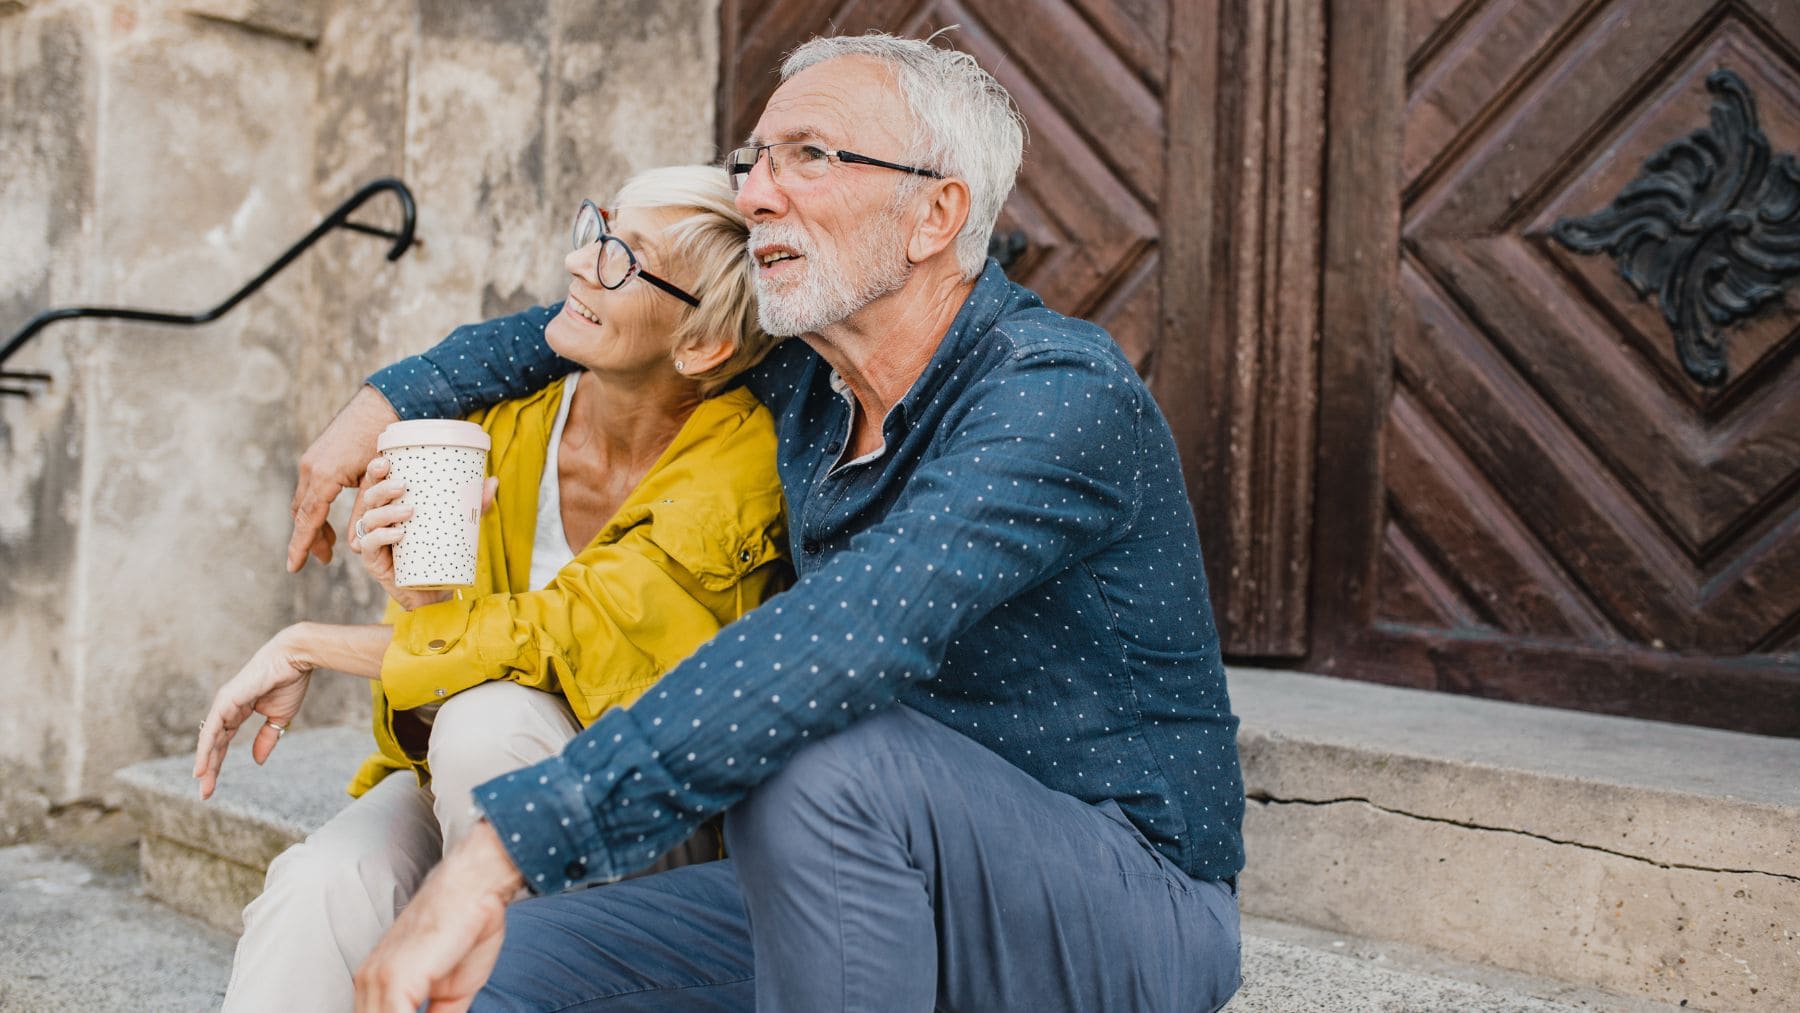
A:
x: 158, y: 153
x: 48, y: 83
x: 146, y: 165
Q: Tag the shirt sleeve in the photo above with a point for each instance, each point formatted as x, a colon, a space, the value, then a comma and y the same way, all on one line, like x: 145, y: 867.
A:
x: 602, y: 632
x: 476, y: 366
x: 1008, y: 500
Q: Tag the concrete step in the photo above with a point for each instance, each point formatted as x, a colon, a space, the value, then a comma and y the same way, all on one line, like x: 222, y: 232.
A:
x: 1289, y: 968
x: 79, y: 937
x: 207, y: 858
x: 1643, y: 858
x: 1635, y: 858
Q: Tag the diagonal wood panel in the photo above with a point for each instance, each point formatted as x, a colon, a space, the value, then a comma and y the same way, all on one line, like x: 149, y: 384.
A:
x: 1431, y: 25
x: 1565, y: 517
x: 1493, y: 51
x: 1700, y: 483
x: 1543, y: 471
x: 1416, y: 590
x: 1673, y: 510
x: 1504, y: 571
x: 1539, y: 124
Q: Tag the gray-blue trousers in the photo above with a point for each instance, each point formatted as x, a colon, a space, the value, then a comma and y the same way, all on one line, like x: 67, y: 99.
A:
x: 897, y: 865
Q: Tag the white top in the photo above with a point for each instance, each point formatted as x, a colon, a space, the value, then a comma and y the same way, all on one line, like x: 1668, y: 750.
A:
x: 550, y: 550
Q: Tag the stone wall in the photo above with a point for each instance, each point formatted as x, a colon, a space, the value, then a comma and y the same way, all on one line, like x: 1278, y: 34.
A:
x: 159, y: 152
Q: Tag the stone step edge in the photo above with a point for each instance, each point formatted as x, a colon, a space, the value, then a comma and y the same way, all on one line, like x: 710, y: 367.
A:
x: 1666, y: 794
x: 256, y: 812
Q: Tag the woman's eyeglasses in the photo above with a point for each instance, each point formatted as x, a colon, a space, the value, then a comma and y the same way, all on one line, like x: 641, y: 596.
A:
x: 616, y: 264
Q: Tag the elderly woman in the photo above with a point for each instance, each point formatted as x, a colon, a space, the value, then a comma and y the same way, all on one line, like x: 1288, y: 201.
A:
x: 637, y: 512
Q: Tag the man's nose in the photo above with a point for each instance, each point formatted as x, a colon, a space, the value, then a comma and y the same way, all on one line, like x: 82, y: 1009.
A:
x: 758, y: 198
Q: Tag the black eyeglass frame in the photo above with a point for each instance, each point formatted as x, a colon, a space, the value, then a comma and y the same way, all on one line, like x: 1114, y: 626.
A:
x: 738, y: 169
x: 633, y: 269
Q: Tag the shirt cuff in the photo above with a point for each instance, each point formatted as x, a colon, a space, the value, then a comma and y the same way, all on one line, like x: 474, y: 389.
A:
x: 431, y: 656
x: 602, y: 809
x: 547, y: 826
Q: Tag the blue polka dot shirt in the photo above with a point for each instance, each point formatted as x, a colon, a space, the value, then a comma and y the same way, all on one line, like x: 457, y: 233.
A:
x: 1019, y: 561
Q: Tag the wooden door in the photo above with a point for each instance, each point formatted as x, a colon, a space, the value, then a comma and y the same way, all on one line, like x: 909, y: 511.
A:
x: 1433, y: 437
x: 1560, y: 394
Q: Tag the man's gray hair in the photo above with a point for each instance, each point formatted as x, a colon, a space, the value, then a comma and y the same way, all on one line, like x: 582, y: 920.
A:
x: 967, y: 126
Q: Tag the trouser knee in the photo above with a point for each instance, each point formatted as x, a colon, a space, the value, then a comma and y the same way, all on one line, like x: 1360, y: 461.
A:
x: 844, y: 779
x: 484, y: 732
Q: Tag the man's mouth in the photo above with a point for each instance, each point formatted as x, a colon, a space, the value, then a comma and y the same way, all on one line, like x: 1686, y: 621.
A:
x: 775, y: 256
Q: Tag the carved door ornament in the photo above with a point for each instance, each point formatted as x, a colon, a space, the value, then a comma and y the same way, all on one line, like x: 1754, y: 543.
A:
x: 1711, y: 225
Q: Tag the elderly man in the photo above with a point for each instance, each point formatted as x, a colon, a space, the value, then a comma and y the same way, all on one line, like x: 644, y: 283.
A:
x: 981, y: 755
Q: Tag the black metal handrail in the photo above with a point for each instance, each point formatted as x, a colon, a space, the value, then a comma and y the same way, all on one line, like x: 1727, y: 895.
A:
x: 338, y: 219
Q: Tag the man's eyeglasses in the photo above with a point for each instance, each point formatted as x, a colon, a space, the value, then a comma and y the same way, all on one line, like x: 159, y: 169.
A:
x: 616, y: 264
x: 804, y: 160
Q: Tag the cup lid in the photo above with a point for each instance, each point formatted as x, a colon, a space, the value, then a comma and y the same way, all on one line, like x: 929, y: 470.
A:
x: 433, y: 433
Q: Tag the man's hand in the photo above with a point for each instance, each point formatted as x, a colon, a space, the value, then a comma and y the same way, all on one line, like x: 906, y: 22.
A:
x: 443, y: 946
x: 333, y: 463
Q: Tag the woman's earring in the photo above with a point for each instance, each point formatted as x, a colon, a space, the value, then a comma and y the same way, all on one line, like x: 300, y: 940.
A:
x: 678, y: 367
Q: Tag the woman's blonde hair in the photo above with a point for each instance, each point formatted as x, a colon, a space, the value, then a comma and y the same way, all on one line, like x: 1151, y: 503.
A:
x: 713, y: 242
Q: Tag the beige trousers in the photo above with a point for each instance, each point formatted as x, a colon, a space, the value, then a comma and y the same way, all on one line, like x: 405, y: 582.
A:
x: 327, y: 900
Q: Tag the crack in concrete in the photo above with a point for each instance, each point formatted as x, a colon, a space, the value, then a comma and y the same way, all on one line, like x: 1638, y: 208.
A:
x: 1264, y: 798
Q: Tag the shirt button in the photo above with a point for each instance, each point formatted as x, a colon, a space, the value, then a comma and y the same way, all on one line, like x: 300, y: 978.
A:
x: 435, y: 645
x: 439, y: 692
x: 575, y: 869
x: 833, y: 447
x: 810, y: 547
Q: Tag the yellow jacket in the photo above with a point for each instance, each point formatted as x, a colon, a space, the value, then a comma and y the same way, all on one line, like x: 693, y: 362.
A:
x: 698, y: 543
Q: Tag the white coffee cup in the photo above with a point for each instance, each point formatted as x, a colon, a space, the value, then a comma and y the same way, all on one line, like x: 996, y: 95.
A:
x: 443, y: 464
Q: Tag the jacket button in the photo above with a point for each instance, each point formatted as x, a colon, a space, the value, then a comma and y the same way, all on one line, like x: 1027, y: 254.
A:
x: 575, y: 869
x: 435, y: 645
x: 810, y: 547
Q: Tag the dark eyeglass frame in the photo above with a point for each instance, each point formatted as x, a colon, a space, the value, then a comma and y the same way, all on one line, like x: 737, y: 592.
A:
x: 633, y: 268
x: 740, y: 162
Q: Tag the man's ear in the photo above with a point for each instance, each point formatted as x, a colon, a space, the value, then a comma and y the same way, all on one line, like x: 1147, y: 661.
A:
x: 703, y: 353
x: 941, y: 218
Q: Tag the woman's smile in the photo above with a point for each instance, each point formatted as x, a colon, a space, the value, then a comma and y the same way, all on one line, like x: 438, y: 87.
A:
x: 576, y: 307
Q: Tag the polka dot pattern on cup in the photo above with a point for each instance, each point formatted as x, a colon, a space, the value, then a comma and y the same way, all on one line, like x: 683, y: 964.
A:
x: 443, y: 486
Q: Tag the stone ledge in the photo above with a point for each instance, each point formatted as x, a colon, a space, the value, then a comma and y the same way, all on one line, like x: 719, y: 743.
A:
x: 207, y: 858
x: 1653, y: 859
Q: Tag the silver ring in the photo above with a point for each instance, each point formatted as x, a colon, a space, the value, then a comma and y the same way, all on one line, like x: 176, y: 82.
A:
x: 358, y: 528
x: 280, y: 729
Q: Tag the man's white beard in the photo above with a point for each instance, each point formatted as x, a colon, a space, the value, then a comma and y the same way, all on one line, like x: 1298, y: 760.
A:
x: 825, y: 294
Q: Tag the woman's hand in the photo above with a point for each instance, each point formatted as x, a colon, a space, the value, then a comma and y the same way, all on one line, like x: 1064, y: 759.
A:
x: 382, y: 515
x: 272, y: 683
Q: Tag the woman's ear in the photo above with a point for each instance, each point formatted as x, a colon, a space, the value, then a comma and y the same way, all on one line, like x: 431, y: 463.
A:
x: 941, y: 219
x: 702, y: 354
